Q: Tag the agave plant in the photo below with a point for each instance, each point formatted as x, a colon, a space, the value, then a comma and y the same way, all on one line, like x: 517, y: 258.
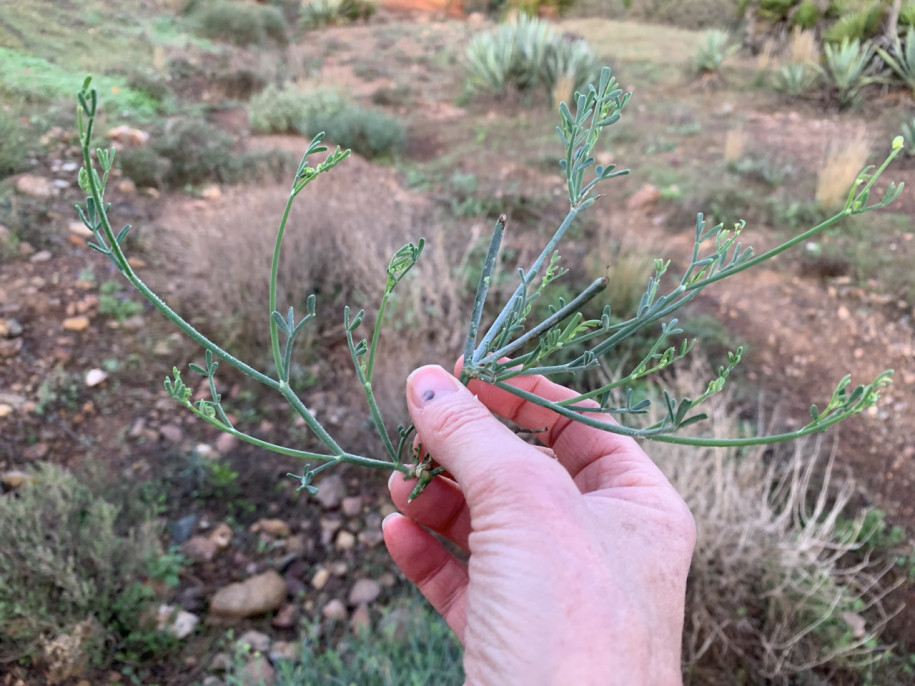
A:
x: 902, y: 61
x: 848, y: 69
x: 797, y: 78
x: 714, y: 48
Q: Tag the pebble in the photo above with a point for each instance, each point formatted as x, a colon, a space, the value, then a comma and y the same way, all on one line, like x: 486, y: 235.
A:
x: 361, y: 621
x: 276, y: 528
x: 10, y: 328
x: 41, y: 256
x: 5, y: 410
x: 79, y: 229
x: 297, y: 544
x: 352, y: 506
x: 226, y: 443
x: 36, y: 186
x: 200, y: 549
x: 284, y: 650
x: 330, y: 491
x: 175, y: 621
x: 371, y: 537
x: 320, y: 578
x: 339, y: 568
x: 646, y: 196
x: 14, y: 479
x: 259, y: 671
x: 335, y: 610
x: 285, y: 618
x: 255, y: 596
x: 5, y: 233
x: 364, y: 591
x: 94, y: 377
x: 257, y: 641
x: 182, y: 529
x: 345, y: 541
x: 10, y: 348
x: 221, y: 536
x: 76, y: 323
x: 171, y: 433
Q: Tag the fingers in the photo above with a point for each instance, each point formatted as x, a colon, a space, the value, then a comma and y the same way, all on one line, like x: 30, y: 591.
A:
x: 425, y: 562
x: 578, y: 447
x: 480, y: 452
x: 441, y: 507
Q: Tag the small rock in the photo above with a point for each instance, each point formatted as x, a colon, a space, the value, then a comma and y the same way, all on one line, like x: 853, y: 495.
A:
x: 335, y: 611
x: 10, y: 328
x: 79, y: 229
x: 284, y: 650
x: 129, y: 136
x: 76, y: 323
x: 126, y: 187
x: 5, y: 234
x: 387, y: 580
x: 26, y: 249
x: 15, y: 479
x: 371, y: 537
x: 200, y: 549
x: 297, y: 544
x: 361, y: 621
x: 211, y: 193
x: 176, y: 622
x: 41, y: 256
x: 136, y: 262
x: 259, y: 671
x: 286, y: 617
x: 221, y: 662
x: 352, y: 506
x: 330, y: 491
x: 11, y: 347
x: 255, y: 596
x: 36, y: 186
x: 94, y: 377
x: 364, y: 591
x: 320, y: 578
x: 226, y: 443
x: 182, y: 529
x: 5, y: 410
x: 646, y: 196
x: 345, y: 541
x: 171, y: 433
x: 254, y: 640
x: 276, y: 528
x: 338, y: 568
x: 221, y: 536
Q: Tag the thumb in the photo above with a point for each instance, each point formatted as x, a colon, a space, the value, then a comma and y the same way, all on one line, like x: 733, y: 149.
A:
x: 461, y: 433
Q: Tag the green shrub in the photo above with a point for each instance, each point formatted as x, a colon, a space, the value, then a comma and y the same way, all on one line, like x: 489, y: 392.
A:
x: 902, y: 60
x: 537, y: 8
x: 71, y: 570
x: 368, y: 132
x: 848, y: 69
x: 527, y: 54
x: 197, y: 152
x: 907, y: 14
x: 858, y: 26
x: 240, y: 23
x: 287, y: 109
x: 241, y: 84
x: 775, y: 10
x: 13, y: 145
x: 714, y: 48
x: 412, y: 646
x: 317, y: 13
x: 807, y: 15
x: 154, y: 87
x: 796, y: 78
x: 144, y: 166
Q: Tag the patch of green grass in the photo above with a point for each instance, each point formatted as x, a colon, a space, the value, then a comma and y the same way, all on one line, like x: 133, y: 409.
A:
x: 412, y: 646
x: 37, y: 79
x: 629, y: 41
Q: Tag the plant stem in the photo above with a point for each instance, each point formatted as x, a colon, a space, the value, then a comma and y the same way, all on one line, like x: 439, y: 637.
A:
x: 274, y: 271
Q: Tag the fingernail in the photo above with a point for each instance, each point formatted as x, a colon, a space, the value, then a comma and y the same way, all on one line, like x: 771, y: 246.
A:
x: 428, y: 383
x: 388, y: 518
x: 391, y: 479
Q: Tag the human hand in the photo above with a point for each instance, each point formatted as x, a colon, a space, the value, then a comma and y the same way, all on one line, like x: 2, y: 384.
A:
x: 578, y: 552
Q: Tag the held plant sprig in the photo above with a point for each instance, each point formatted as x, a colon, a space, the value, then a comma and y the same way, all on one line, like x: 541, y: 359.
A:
x: 511, y: 346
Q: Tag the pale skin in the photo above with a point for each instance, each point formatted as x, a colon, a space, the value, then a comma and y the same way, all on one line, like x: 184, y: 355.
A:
x: 578, y: 552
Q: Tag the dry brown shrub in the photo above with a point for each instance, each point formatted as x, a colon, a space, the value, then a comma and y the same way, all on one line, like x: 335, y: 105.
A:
x: 845, y: 158
x: 734, y: 145
x: 804, y: 47
x: 781, y: 584
x: 341, y: 234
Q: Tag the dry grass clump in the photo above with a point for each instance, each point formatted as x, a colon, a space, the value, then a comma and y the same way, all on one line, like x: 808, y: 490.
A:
x: 339, y: 240
x: 803, y: 47
x: 845, y: 159
x: 782, y: 584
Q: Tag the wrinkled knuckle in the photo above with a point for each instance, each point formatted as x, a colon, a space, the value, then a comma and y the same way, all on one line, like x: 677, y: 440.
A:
x: 452, y: 420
